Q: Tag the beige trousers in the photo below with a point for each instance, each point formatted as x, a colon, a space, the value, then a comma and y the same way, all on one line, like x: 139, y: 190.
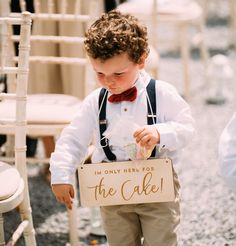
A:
x: 157, y: 223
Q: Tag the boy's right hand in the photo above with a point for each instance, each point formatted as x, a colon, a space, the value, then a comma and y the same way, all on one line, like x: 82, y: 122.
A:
x: 64, y: 193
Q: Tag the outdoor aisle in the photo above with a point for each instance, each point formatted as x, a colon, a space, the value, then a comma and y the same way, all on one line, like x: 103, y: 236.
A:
x: 208, y: 206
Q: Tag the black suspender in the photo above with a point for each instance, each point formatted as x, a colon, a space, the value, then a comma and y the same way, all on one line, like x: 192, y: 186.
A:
x: 103, y: 125
x: 151, y: 105
x: 151, y: 91
x: 151, y: 117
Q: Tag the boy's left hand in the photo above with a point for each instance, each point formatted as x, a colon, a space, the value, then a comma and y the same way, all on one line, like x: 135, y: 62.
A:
x: 147, y: 136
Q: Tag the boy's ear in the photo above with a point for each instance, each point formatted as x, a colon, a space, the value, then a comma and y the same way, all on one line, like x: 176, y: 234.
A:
x: 142, y: 61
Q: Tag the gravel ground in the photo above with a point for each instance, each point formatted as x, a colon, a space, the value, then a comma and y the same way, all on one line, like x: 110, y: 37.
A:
x: 208, y: 206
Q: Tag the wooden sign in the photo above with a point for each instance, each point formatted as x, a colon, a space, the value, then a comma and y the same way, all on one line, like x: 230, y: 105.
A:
x: 129, y: 182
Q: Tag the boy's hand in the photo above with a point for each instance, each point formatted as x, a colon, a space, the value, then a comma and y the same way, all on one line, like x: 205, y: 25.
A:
x: 64, y: 193
x: 147, y: 136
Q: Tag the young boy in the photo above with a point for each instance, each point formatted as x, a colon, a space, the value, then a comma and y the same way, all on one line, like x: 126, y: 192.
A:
x: 117, y: 48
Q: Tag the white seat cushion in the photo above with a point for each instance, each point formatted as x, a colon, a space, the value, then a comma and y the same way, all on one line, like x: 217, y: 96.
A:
x: 44, y: 108
x: 9, y: 180
x: 139, y: 8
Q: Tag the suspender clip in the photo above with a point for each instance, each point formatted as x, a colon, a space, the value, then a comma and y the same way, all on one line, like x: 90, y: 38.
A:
x: 151, y: 115
x: 102, y: 122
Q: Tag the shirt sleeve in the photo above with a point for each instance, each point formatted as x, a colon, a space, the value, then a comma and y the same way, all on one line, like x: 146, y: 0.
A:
x: 227, y: 153
x: 176, y: 124
x: 72, y: 145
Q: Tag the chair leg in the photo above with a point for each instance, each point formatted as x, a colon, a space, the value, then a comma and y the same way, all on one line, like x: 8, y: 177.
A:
x: 73, y: 228
x: 204, y: 4
x: 156, y: 73
x: 2, y: 239
x: 9, y: 146
x: 26, y: 214
x: 233, y: 21
x: 184, y: 49
x: 203, y: 50
x: 72, y: 221
x: 49, y: 146
x: 29, y: 233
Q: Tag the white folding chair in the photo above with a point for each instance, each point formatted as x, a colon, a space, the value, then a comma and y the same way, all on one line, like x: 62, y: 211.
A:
x: 233, y: 21
x: 48, y: 114
x: 232, y: 12
x: 150, y: 19
x: 180, y: 13
x: 13, y: 178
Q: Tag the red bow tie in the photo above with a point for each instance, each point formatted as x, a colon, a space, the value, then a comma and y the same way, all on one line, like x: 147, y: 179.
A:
x: 129, y: 95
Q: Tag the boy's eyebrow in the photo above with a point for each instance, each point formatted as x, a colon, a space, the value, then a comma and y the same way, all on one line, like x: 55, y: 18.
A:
x: 115, y: 72
x: 118, y: 71
x: 121, y: 71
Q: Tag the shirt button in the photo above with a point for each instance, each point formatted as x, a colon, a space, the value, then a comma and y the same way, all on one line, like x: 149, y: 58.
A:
x: 125, y: 109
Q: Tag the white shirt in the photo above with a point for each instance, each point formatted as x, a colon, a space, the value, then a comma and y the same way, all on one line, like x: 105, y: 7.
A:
x: 174, y: 124
x: 227, y: 153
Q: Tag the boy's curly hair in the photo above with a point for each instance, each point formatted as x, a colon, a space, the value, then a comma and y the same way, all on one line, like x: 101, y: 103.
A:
x: 114, y: 33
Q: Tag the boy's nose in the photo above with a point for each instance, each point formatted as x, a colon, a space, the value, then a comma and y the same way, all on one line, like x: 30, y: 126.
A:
x: 109, y: 80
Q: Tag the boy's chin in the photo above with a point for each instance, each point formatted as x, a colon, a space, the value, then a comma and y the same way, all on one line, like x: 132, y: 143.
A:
x: 114, y: 91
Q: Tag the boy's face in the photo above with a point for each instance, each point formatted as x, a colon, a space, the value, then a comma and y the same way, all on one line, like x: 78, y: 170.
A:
x: 118, y: 73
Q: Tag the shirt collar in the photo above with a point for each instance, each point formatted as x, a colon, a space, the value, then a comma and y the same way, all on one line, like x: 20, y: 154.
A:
x: 141, y: 82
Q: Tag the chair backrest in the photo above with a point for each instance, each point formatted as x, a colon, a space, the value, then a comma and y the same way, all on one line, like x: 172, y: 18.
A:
x: 147, y: 12
x: 57, y: 38
x: 49, y: 7
x: 19, y: 71
x: 16, y: 192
